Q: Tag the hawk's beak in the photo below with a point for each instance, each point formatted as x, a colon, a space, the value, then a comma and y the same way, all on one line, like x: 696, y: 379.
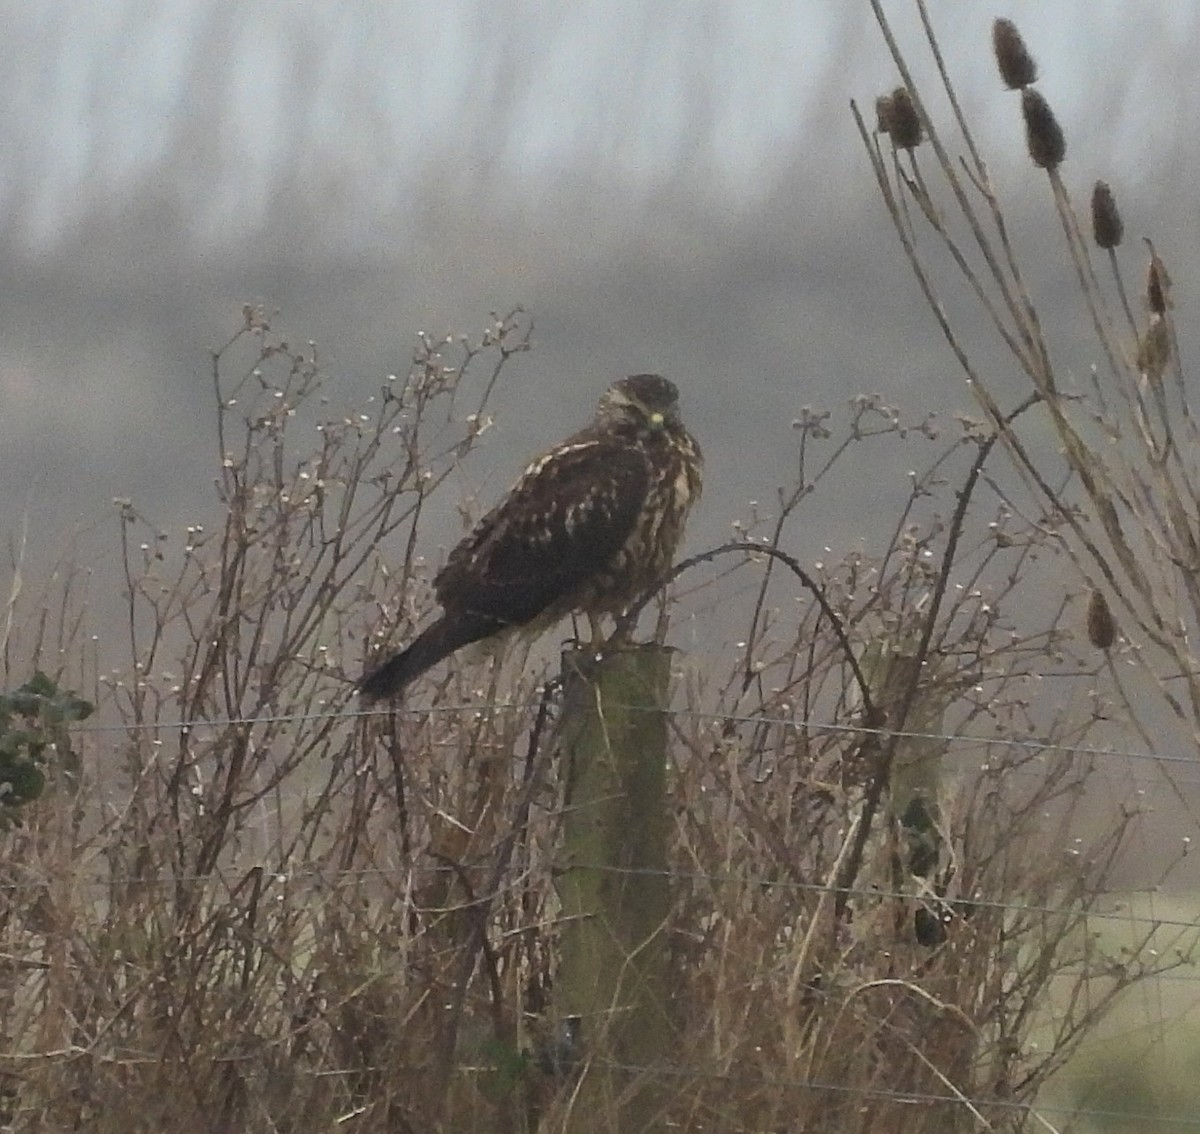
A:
x: 656, y: 419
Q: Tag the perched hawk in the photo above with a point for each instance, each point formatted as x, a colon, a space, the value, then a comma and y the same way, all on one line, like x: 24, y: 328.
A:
x: 588, y: 528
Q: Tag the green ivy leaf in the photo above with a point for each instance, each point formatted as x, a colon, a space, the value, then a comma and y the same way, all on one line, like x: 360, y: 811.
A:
x: 44, y: 710
x: 26, y: 782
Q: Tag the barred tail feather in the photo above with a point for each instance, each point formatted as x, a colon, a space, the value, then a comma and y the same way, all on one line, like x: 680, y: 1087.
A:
x: 437, y: 642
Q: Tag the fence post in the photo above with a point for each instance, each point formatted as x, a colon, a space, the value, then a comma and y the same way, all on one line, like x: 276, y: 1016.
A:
x: 613, y: 887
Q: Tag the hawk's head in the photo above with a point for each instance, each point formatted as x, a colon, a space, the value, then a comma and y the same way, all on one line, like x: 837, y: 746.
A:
x: 647, y: 401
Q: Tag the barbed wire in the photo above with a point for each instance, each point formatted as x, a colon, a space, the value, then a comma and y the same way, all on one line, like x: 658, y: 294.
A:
x: 281, y: 876
x: 894, y: 894
x: 893, y: 1095
x: 695, y: 1073
x: 798, y: 723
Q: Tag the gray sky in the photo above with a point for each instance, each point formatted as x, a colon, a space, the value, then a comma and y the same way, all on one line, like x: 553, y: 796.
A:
x: 359, y: 111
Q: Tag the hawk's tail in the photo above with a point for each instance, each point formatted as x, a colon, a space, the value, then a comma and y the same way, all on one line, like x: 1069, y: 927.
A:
x: 439, y: 641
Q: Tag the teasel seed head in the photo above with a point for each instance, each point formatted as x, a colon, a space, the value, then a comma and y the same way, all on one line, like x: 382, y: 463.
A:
x: 1158, y: 285
x: 1101, y: 626
x: 1043, y: 135
x: 898, y: 119
x: 1107, y: 226
x: 883, y: 114
x: 1017, y: 67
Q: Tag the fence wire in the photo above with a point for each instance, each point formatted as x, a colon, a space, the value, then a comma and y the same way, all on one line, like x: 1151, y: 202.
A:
x: 977, y: 1104
x: 1031, y: 743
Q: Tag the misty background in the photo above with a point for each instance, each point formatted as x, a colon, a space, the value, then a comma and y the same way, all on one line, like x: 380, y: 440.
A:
x: 664, y: 186
x: 670, y: 186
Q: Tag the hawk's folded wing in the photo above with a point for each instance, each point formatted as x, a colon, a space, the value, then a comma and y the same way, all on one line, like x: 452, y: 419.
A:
x: 563, y: 521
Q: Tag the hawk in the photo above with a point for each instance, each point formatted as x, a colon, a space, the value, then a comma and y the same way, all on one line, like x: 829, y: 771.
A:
x: 588, y: 528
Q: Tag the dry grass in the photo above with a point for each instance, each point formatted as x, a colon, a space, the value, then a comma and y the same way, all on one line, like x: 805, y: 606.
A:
x: 1123, y: 483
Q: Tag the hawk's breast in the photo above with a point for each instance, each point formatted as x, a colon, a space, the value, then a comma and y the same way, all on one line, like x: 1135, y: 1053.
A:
x: 644, y: 560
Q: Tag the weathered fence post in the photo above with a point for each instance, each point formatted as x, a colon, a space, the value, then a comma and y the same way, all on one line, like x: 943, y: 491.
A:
x: 613, y: 886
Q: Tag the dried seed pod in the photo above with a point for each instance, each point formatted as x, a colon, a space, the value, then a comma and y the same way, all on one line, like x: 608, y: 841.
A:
x: 1043, y: 135
x: 1101, y: 626
x: 883, y: 114
x: 1017, y: 67
x: 1158, y: 286
x: 1107, y: 226
x: 899, y: 117
x: 1154, y: 350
